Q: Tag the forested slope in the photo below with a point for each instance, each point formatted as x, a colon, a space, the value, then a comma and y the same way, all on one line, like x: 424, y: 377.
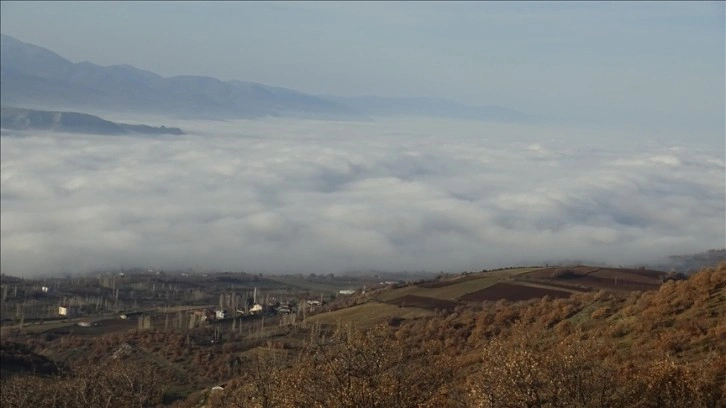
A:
x: 660, y: 348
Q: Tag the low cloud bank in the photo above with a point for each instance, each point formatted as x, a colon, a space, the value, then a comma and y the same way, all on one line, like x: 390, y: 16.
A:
x: 283, y: 196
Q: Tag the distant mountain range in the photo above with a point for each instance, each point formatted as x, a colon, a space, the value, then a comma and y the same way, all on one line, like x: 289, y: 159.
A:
x: 35, y: 77
x: 690, y: 263
x: 386, y: 106
x: 73, y: 122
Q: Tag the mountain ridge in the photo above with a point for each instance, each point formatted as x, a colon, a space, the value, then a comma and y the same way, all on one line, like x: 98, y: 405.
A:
x: 436, y: 107
x: 37, y: 78
x: 73, y: 122
x: 33, y: 75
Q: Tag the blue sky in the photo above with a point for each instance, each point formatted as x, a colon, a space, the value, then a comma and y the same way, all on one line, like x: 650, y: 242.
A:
x: 655, y: 66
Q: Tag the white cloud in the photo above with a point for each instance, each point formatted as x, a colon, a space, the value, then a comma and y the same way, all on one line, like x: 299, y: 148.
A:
x: 308, y: 196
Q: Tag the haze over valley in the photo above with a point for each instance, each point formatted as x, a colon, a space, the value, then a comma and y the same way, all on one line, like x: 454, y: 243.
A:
x: 283, y: 195
x: 272, y: 179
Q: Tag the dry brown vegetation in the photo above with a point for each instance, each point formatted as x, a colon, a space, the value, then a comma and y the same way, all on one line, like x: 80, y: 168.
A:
x: 660, y: 348
x: 115, y: 384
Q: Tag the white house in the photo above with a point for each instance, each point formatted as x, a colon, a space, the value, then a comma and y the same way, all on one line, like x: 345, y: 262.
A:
x: 220, y: 314
x: 63, y: 310
x: 44, y: 289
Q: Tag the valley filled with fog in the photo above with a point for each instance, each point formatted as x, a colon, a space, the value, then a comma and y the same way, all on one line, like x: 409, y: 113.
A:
x: 280, y: 195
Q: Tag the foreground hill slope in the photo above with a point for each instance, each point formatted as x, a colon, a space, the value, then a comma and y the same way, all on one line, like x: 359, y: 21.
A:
x: 664, y: 347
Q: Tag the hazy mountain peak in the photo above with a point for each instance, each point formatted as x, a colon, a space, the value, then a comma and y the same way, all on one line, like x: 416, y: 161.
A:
x: 29, y: 58
x: 33, y: 76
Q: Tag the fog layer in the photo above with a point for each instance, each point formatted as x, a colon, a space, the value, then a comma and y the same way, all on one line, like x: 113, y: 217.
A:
x: 282, y: 196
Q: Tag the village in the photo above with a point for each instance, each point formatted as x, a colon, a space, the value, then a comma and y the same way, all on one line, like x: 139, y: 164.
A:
x: 147, y: 298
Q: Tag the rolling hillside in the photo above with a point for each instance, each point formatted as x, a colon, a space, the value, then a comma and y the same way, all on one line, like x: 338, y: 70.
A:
x: 446, y: 294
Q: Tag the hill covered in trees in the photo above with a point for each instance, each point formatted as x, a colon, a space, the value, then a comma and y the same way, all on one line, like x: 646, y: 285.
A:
x: 663, y: 347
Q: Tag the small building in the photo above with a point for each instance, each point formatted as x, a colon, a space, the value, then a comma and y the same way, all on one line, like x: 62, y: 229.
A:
x: 256, y: 308
x: 202, y: 314
x: 44, y: 289
x: 129, y: 315
x: 220, y: 314
x: 64, y: 310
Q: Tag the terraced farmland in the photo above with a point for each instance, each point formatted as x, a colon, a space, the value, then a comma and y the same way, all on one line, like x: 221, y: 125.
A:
x: 513, y: 292
x: 453, y: 289
x: 594, y: 278
x: 424, y: 302
x: 509, y: 284
x: 369, y: 314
